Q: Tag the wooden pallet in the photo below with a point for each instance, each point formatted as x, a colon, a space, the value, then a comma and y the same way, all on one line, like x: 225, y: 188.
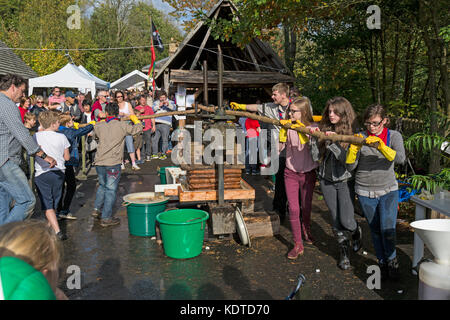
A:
x: 246, y: 192
x: 262, y: 224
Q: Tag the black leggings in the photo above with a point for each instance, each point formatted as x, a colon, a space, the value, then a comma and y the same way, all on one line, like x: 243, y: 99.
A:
x: 69, y: 186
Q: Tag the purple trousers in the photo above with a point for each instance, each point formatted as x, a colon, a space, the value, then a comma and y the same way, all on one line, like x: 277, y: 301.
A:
x: 296, y: 182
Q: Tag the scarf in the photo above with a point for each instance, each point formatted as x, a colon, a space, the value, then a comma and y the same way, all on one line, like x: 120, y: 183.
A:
x: 110, y: 119
x: 385, y: 135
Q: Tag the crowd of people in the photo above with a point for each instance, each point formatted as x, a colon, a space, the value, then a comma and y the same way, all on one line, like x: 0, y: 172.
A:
x: 50, y: 130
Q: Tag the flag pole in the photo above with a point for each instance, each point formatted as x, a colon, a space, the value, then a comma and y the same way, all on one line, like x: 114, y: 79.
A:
x: 153, y: 69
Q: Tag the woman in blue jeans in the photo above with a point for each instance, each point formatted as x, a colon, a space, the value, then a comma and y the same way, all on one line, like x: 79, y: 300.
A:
x: 376, y: 185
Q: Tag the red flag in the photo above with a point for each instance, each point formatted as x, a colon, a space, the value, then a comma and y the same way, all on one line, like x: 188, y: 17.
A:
x: 151, y: 69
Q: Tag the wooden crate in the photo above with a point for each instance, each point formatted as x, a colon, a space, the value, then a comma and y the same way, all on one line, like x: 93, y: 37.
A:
x: 246, y: 192
x: 262, y: 224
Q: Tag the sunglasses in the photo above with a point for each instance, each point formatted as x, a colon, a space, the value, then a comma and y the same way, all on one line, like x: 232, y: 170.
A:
x: 39, y: 101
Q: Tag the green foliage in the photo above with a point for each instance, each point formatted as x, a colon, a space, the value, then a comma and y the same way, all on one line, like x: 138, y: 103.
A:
x: 445, y: 33
x: 423, y: 142
x: 43, y: 24
x: 399, y: 108
x: 9, y: 12
x: 431, y: 182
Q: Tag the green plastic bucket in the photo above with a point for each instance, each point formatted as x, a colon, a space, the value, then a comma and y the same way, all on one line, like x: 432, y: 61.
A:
x: 162, y: 173
x: 182, y: 232
x: 142, y: 209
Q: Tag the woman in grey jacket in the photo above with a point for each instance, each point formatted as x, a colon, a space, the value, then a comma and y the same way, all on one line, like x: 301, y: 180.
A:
x: 336, y: 182
x: 376, y: 184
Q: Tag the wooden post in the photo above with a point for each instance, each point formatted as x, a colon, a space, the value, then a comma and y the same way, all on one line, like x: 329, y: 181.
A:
x: 31, y: 169
x: 220, y: 167
x: 205, y: 83
x: 82, y: 175
x: 166, y: 81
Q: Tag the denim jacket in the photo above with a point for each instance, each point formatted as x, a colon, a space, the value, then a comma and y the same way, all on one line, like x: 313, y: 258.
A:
x: 334, y: 162
x: 73, y: 136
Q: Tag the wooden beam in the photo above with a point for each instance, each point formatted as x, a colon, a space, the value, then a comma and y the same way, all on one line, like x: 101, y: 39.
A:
x: 193, y: 77
x: 202, y: 46
x: 233, y: 60
x: 252, y: 56
x: 166, y: 81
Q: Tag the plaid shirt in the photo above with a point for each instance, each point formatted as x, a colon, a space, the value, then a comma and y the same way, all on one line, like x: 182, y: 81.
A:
x: 13, y: 134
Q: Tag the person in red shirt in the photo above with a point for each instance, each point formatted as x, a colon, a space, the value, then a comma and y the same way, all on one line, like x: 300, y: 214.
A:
x: 23, y: 107
x: 251, y: 151
x: 149, y: 126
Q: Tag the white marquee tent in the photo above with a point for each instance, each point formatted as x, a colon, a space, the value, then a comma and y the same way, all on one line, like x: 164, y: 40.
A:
x: 97, y: 80
x: 70, y: 76
x: 133, y: 78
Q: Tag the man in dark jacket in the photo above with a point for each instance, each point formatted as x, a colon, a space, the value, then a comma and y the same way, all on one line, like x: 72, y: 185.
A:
x: 70, y: 106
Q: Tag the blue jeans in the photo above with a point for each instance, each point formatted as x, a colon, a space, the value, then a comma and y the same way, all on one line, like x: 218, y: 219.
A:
x: 251, y: 154
x: 381, y: 214
x: 162, y: 132
x: 14, y: 185
x: 129, y: 143
x: 108, y: 179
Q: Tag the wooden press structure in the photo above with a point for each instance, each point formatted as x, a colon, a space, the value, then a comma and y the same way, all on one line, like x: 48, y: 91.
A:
x: 219, y: 187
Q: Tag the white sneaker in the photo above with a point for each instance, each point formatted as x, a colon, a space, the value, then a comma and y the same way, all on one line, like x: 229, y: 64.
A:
x: 122, y: 166
x: 135, y: 167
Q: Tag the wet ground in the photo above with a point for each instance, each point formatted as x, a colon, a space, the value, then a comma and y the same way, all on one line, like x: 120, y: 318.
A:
x: 117, y: 265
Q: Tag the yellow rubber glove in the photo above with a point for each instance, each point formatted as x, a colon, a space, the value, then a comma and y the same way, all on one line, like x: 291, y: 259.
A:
x: 317, y: 118
x: 284, y: 122
x: 303, y: 138
x: 283, y: 131
x: 238, y: 106
x: 92, y: 122
x: 353, y: 151
x: 76, y: 125
x: 134, y: 119
x: 387, y: 152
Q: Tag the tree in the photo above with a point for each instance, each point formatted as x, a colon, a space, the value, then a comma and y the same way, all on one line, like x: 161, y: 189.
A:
x: 189, y: 10
x: 133, y: 30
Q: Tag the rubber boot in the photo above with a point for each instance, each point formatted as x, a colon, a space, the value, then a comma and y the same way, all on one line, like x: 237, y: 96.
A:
x: 356, y: 238
x: 344, y: 261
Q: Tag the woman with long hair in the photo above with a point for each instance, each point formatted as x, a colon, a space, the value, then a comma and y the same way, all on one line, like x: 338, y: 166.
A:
x: 126, y: 110
x: 299, y: 174
x: 336, y: 182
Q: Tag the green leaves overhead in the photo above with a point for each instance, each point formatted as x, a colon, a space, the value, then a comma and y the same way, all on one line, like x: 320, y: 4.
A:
x: 111, y: 24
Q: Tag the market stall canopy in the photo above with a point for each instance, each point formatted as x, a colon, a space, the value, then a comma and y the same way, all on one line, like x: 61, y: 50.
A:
x: 70, y: 76
x: 129, y: 80
x: 97, y: 80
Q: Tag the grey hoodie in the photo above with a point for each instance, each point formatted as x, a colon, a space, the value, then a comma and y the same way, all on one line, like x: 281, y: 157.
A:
x: 374, y: 175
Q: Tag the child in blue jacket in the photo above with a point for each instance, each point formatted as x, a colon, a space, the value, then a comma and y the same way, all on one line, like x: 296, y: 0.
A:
x: 73, y: 133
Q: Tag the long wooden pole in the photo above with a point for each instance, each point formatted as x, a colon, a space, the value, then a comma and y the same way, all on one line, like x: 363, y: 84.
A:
x: 252, y: 115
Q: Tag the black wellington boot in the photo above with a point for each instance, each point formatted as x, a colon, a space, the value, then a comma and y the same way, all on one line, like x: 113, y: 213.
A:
x: 344, y: 243
x: 356, y: 238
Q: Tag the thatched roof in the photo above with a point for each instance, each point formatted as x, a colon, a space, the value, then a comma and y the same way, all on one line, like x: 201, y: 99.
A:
x: 11, y: 63
x: 256, y: 65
